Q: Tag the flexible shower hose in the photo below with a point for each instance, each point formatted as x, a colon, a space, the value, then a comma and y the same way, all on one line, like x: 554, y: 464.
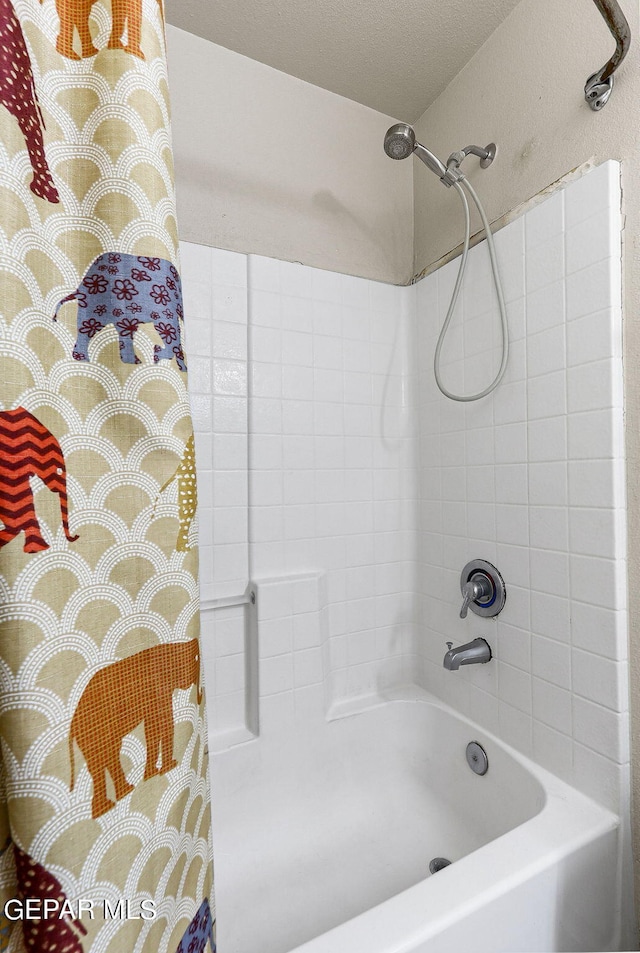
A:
x: 456, y: 291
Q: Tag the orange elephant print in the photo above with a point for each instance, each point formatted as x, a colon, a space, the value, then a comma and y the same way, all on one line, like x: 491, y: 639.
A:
x: 28, y: 449
x: 120, y: 697
x: 126, y: 16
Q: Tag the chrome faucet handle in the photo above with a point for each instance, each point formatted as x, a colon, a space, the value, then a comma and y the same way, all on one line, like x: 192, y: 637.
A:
x: 449, y: 645
x: 477, y: 588
x: 471, y: 591
x: 468, y: 593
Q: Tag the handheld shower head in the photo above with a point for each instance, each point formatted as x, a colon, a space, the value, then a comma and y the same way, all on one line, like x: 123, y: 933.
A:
x: 399, y: 141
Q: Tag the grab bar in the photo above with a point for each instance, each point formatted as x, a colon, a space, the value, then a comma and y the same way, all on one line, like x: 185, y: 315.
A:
x: 598, y: 87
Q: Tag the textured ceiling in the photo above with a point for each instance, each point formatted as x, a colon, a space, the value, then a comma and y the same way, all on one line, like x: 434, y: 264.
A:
x: 393, y: 55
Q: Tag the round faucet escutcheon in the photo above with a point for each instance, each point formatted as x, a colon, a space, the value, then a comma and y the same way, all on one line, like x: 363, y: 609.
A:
x: 483, y: 589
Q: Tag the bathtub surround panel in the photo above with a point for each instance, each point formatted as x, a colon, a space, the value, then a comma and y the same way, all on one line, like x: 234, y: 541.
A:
x: 532, y: 478
x: 319, y: 369
x: 293, y: 625
x: 215, y: 284
x: 541, y: 137
x: 332, y: 458
x: 224, y: 657
x: 215, y: 288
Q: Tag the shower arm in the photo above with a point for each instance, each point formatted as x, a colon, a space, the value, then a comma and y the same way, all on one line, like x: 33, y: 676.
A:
x: 598, y: 87
x: 486, y: 156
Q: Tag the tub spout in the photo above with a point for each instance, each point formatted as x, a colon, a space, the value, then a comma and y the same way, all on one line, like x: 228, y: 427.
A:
x: 470, y: 654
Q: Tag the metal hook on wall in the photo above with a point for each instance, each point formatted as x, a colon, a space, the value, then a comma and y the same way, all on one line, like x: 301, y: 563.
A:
x: 598, y: 87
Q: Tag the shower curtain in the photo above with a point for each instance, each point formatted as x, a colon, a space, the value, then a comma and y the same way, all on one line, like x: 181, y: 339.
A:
x: 104, y: 804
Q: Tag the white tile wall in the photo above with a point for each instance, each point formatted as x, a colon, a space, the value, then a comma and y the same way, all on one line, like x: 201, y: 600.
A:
x: 292, y: 659
x: 332, y: 447
x: 223, y: 660
x: 215, y: 289
x: 317, y: 368
x: 369, y: 488
x: 544, y: 495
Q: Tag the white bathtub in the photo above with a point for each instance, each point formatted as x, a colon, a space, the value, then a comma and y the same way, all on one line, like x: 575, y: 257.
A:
x: 323, y: 838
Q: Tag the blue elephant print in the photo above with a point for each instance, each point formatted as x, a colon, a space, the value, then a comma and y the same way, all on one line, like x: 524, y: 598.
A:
x: 198, y: 932
x: 126, y: 291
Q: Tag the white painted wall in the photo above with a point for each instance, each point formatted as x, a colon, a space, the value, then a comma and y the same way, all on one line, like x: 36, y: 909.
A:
x: 269, y: 164
x: 524, y: 90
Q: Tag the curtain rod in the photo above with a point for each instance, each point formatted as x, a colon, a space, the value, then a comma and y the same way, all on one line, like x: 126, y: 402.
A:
x: 598, y: 87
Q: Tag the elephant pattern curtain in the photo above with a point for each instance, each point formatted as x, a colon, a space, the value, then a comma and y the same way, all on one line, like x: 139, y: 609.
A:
x: 104, y: 804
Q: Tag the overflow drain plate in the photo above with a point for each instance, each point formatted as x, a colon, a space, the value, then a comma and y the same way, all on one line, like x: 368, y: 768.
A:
x: 477, y: 758
x: 438, y: 863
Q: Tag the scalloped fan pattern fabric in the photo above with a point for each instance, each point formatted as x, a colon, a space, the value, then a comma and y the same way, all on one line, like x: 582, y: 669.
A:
x: 104, y: 794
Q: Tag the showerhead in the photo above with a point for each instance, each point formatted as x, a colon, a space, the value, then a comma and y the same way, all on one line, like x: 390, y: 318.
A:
x: 400, y: 141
